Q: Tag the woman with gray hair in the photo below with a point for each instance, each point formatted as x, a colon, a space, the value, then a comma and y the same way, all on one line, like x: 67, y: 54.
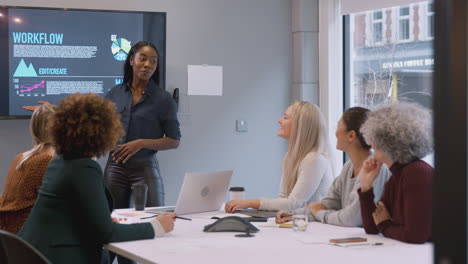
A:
x: 400, y: 134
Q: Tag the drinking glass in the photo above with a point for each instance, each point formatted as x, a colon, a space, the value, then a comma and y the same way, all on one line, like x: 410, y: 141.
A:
x: 139, y: 192
x: 300, y: 217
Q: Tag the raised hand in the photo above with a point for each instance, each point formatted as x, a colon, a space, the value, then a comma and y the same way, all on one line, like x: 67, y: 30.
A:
x: 370, y: 170
x: 32, y: 108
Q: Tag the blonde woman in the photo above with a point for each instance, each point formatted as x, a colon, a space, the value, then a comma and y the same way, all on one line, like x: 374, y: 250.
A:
x: 25, y: 174
x: 341, y: 205
x: 307, y: 167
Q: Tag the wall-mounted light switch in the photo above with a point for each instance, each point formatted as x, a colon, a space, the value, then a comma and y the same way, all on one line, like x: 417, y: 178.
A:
x: 241, y: 126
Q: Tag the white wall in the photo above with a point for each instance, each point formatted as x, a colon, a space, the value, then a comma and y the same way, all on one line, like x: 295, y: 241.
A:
x: 252, y: 40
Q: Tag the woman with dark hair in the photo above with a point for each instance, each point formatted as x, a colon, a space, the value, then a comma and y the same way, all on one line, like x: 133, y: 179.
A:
x: 70, y: 221
x: 149, y: 118
x: 401, y: 135
x: 26, y: 173
x: 341, y: 205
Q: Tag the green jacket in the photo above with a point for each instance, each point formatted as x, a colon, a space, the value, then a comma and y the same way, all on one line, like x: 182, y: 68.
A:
x: 70, y: 220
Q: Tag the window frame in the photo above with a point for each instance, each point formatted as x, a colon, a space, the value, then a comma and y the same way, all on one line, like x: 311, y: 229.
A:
x: 399, y: 18
x: 373, y: 22
x: 429, y: 16
x: 370, y: 21
x: 331, y: 70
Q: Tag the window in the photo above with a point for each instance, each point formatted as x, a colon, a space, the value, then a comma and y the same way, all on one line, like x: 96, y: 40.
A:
x: 430, y: 20
x: 399, y: 69
x: 372, y: 74
x: 377, y: 27
x: 404, y: 23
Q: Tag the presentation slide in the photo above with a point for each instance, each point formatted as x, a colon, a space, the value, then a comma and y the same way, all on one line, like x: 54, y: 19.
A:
x: 54, y: 53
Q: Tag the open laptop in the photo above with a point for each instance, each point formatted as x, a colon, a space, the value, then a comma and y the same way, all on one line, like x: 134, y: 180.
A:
x: 200, y: 192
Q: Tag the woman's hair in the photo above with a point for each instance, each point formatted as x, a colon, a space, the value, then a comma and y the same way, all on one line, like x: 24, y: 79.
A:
x: 353, y: 119
x: 128, y: 70
x: 39, y: 132
x: 308, y: 133
x: 403, y: 131
x: 85, y: 125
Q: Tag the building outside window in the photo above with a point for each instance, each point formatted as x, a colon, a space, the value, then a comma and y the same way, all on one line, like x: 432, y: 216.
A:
x: 400, y: 67
x: 430, y: 20
x: 404, y: 23
x: 377, y: 27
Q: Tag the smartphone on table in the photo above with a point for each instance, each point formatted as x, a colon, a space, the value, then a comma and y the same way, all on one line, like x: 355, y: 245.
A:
x: 348, y: 240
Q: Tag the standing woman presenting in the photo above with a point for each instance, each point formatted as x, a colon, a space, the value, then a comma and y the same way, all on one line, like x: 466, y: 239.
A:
x: 149, y: 117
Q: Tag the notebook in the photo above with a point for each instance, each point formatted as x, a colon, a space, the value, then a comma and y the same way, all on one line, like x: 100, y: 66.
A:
x: 200, y: 192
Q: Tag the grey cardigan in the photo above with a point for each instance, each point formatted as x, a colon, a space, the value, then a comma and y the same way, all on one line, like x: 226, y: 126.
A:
x: 342, y: 199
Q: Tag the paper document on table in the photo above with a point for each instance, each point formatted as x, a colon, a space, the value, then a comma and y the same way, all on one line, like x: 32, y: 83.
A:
x: 131, y: 217
x: 285, y: 225
x: 132, y: 214
x: 205, y: 80
x: 313, y: 239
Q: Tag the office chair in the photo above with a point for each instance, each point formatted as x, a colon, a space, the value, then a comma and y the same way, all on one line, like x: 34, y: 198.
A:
x: 15, y: 250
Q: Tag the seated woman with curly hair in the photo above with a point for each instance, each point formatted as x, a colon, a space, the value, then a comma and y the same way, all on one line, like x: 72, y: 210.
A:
x: 400, y: 134
x: 70, y: 220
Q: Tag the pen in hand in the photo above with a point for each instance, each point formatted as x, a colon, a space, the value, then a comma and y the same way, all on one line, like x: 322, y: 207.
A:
x: 183, y: 218
x: 285, y: 215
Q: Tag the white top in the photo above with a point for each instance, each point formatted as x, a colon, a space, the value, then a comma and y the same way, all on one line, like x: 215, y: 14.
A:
x: 315, y: 176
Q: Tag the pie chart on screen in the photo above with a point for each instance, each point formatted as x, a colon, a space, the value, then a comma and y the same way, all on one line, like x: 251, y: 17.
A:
x: 120, y: 48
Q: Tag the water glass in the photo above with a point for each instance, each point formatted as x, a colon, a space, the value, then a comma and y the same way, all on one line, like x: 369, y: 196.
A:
x: 300, y: 220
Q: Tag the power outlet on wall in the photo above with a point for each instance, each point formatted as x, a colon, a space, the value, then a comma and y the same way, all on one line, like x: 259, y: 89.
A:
x: 241, y: 125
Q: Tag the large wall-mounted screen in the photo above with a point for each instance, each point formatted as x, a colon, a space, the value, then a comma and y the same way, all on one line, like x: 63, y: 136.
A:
x: 47, y: 54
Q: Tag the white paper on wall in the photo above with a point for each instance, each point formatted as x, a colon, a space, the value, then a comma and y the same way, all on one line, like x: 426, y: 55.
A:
x: 205, y: 80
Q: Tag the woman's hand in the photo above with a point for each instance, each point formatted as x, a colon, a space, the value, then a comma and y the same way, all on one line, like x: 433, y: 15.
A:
x: 370, y: 170
x: 234, y: 205
x: 32, y: 108
x: 281, y: 217
x: 167, y: 221
x: 127, y: 150
x: 316, y: 207
x: 381, y: 213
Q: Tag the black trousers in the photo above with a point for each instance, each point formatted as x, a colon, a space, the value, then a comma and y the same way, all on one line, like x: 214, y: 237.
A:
x: 120, y: 177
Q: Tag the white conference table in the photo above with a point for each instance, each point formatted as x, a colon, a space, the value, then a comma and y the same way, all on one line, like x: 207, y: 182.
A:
x: 189, y: 244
